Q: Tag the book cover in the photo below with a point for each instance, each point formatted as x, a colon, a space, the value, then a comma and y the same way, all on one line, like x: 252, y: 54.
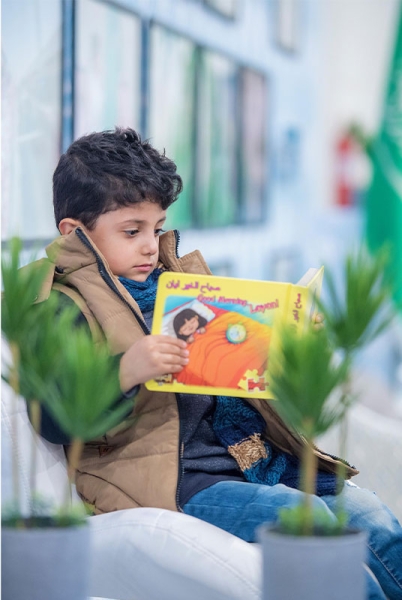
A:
x: 230, y: 326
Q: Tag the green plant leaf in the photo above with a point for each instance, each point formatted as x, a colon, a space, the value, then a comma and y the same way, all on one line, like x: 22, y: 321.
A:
x: 58, y: 361
x: 291, y: 521
x: 303, y: 378
x: 43, y: 515
x: 72, y: 516
x: 83, y: 396
x: 40, y: 359
x: 21, y: 288
x: 361, y: 309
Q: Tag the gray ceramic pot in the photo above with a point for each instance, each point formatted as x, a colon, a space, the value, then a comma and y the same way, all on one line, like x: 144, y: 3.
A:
x: 45, y: 563
x: 313, y: 567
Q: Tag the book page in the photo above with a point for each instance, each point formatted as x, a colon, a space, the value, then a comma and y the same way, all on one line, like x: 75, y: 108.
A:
x: 303, y: 299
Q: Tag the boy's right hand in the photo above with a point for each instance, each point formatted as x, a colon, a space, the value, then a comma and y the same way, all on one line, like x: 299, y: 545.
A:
x: 150, y: 357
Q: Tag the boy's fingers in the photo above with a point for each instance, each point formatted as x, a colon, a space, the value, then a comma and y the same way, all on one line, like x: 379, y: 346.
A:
x: 173, y: 349
x: 171, y: 340
x: 175, y: 369
x: 172, y: 363
x: 174, y: 359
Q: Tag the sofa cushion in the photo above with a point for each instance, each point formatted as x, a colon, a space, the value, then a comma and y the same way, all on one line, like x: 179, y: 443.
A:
x: 156, y: 554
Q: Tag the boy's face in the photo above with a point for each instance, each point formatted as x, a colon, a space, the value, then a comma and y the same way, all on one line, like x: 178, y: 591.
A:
x: 129, y: 239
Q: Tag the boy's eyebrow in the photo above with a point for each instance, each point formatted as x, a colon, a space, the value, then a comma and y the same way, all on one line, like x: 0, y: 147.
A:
x: 140, y: 221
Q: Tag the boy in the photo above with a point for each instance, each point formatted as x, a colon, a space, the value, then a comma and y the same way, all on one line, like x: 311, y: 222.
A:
x: 111, y: 194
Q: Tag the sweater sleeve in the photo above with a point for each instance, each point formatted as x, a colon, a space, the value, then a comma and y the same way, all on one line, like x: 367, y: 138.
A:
x: 49, y: 428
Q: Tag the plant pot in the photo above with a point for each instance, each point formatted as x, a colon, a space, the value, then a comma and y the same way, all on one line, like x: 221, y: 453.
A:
x: 313, y: 567
x: 49, y: 563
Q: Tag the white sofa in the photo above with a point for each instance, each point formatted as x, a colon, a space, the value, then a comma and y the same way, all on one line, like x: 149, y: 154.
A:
x: 374, y: 441
x: 138, y: 554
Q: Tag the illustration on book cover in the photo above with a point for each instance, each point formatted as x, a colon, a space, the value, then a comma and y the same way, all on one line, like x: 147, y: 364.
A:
x: 228, y: 325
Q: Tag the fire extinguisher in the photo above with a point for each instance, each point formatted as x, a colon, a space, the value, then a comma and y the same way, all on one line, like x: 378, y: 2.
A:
x: 345, y: 153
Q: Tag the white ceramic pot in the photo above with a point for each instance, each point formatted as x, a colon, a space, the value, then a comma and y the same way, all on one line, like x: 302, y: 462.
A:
x: 45, y: 563
x: 313, y: 567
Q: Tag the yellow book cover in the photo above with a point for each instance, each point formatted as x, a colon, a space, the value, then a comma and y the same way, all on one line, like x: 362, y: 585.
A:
x: 230, y: 325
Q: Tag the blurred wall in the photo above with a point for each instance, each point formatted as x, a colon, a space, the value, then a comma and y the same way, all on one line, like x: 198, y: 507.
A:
x: 336, y: 77
x: 324, y: 65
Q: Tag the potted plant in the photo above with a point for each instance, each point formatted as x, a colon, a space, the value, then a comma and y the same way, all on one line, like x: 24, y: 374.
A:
x: 307, y: 554
x: 45, y: 553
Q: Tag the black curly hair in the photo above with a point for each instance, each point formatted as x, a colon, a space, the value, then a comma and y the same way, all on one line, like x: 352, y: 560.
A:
x: 104, y: 171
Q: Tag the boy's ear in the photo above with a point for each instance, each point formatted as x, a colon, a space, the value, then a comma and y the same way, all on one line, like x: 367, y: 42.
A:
x: 67, y: 225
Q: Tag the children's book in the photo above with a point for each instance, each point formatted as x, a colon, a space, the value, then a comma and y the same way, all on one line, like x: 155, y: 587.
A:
x: 230, y: 326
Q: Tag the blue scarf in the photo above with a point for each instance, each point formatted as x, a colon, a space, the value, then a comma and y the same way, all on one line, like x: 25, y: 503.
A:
x: 143, y: 292
x: 238, y: 426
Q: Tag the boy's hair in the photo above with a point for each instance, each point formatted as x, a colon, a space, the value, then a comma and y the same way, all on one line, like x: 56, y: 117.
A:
x: 185, y: 315
x: 104, y: 171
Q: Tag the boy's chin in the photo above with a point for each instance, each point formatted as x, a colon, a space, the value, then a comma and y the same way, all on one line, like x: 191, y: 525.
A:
x: 140, y: 277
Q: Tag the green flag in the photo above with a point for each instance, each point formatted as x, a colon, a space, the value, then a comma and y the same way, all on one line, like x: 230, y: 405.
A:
x: 384, y: 198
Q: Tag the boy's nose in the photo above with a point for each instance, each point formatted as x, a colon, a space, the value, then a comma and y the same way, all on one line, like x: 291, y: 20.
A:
x: 150, y: 245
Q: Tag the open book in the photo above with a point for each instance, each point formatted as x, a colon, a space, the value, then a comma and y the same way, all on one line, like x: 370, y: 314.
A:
x: 230, y: 325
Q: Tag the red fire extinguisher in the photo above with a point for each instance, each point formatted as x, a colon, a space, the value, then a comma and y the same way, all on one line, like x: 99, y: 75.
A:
x: 345, y: 153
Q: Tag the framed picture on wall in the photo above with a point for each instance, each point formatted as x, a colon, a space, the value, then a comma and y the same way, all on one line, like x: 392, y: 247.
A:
x: 171, y: 122
x: 253, y: 166
x: 217, y: 171
x: 287, y: 22
x: 107, y: 63
x: 213, y: 124
x: 225, y: 8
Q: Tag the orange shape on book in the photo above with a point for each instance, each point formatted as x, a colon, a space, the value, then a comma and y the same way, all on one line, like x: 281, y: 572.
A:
x: 214, y: 361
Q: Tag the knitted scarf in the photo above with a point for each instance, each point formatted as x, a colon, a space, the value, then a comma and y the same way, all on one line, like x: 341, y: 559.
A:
x: 238, y: 426
x: 143, y: 292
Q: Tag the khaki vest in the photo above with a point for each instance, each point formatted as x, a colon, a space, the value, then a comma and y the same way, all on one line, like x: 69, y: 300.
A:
x: 136, y: 464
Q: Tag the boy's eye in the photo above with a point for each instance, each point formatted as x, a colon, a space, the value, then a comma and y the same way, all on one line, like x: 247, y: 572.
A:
x: 159, y: 231
x: 131, y: 232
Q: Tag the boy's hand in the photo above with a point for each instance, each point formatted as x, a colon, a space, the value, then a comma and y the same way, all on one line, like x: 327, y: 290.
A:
x: 150, y: 357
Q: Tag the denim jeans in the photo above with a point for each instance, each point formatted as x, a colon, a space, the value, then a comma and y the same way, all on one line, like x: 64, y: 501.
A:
x: 240, y: 507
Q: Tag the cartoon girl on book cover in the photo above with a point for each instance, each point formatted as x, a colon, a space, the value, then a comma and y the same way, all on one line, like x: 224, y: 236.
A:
x: 186, y: 323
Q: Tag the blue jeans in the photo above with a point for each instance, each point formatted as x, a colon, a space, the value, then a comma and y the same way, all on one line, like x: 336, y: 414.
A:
x: 240, y: 507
